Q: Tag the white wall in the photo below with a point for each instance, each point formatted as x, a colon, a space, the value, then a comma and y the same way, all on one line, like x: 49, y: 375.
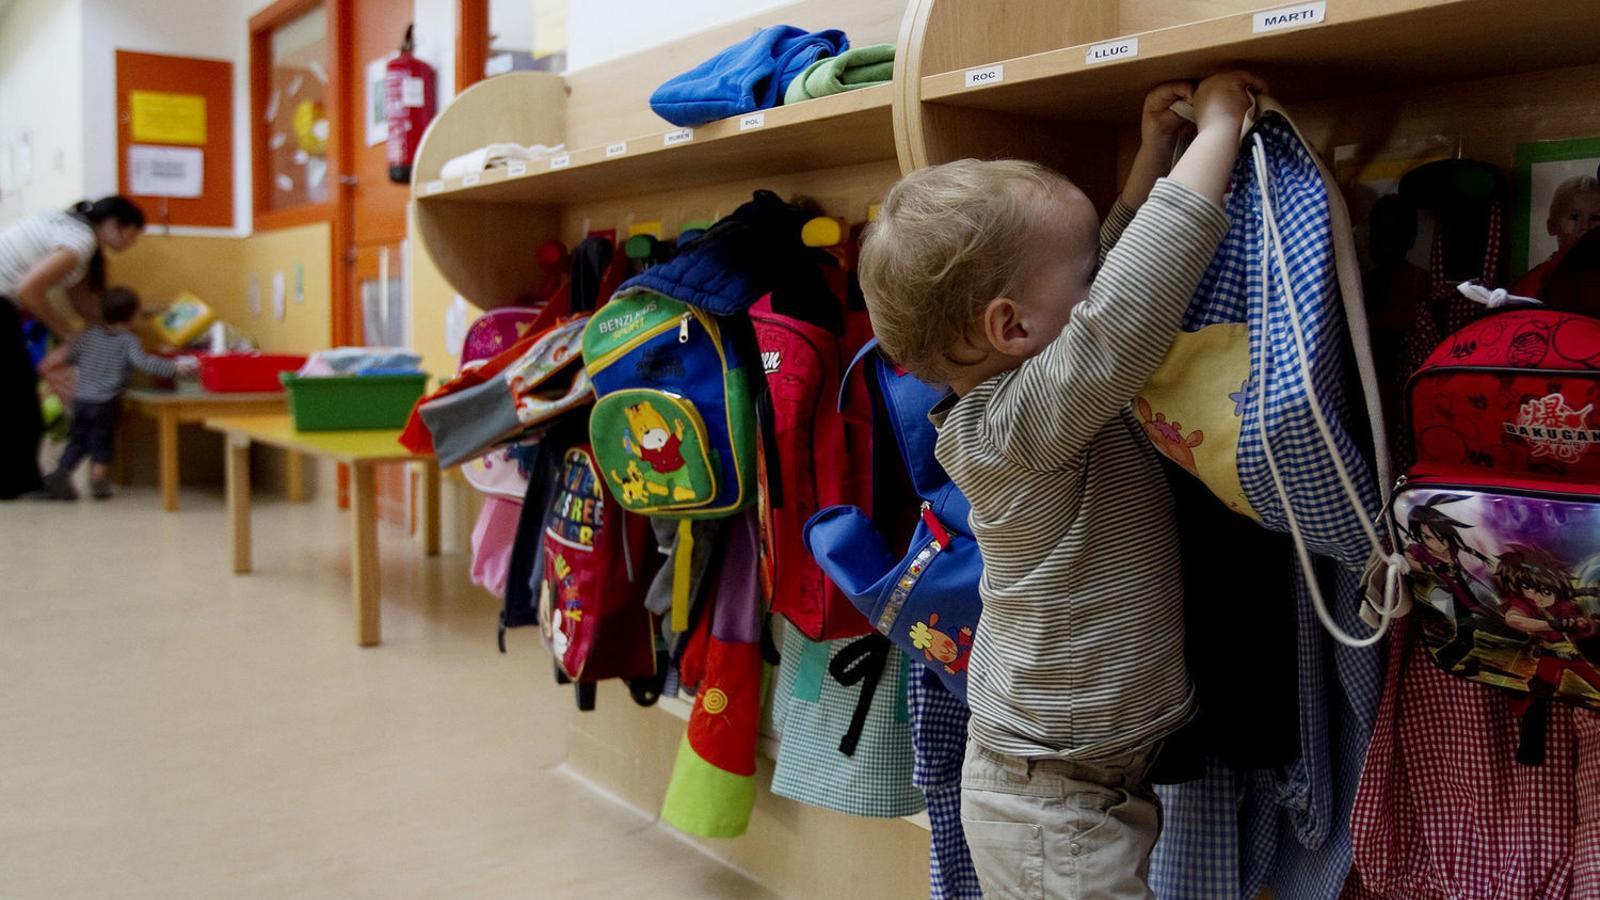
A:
x: 41, y: 79
x: 601, y: 30
x: 213, y: 29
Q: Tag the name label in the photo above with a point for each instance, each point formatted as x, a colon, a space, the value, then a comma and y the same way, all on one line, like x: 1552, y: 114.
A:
x: 1126, y: 48
x: 674, y: 138
x: 516, y: 167
x: 433, y: 187
x: 1291, y: 17
x: 987, y: 75
x: 754, y: 120
x: 470, y: 180
x: 617, y: 149
x: 560, y: 161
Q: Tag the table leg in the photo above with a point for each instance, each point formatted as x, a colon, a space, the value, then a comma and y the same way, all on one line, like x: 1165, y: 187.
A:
x: 122, y: 472
x: 430, y: 507
x: 364, y: 552
x: 167, y: 448
x: 238, y: 476
x: 296, y: 476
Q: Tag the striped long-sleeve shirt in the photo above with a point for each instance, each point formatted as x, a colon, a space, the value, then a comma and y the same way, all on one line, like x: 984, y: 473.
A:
x: 24, y: 244
x: 104, y: 355
x: 1079, y: 653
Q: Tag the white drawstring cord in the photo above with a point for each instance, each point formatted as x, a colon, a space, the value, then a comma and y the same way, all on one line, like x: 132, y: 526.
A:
x: 1395, y: 563
x: 1493, y: 299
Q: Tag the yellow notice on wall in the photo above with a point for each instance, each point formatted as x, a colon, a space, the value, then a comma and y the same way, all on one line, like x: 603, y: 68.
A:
x: 161, y: 118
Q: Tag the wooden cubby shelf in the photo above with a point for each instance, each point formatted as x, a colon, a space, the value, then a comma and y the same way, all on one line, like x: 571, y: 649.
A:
x: 828, y: 132
x: 1361, y: 46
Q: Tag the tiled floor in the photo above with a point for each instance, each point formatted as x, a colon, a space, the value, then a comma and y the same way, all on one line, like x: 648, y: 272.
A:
x: 170, y: 730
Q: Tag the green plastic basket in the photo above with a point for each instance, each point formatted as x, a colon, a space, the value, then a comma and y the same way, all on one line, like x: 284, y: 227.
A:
x: 352, y: 402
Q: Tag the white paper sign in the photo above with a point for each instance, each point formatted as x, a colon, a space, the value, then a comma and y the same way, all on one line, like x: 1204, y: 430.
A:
x: 754, y: 120
x: 455, y: 325
x: 1291, y: 17
x: 516, y: 167
x: 987, y: 75
x: 377, y: 116
x: 1126, y: 48
x: 165, y: 171
x: 681, y: 136
x: 279, y: 294
x: 255, y: 296
x: 617, y: 149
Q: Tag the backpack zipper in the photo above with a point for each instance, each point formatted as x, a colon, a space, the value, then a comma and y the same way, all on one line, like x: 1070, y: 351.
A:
x: 1405, y: 480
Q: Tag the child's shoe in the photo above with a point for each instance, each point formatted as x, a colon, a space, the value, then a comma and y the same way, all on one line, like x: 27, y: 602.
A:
x: 58, y: 486
x: 100, y: 489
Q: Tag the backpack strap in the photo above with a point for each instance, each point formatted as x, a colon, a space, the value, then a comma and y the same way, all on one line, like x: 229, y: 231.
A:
x: 862, y: 661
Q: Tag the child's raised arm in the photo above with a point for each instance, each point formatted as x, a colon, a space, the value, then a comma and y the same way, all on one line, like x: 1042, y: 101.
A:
x: 1220, y: 105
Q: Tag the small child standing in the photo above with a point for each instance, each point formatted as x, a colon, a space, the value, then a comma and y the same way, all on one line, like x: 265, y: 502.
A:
x: 103, y: 354
x: 1574, y: 210
x: 988, y: 277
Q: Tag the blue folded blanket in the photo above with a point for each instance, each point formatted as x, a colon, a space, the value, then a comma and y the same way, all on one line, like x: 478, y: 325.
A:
x: 752, y: 74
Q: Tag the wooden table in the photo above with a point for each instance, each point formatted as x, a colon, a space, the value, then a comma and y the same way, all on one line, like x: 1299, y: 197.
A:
x: 170, y: 409
x: 362, y: 451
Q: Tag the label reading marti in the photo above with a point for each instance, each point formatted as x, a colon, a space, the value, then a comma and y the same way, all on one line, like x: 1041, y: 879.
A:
x: 681, y: 136
x: 560, y: 161
x: 754, y: 120
x: 1126, y: 48
x: 1291, y: 17
x: 987, y: 75
x: 516, y: 167
x: 617, y: 149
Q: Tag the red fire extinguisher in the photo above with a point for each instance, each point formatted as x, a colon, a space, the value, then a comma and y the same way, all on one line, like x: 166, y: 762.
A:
x: 410, y: 96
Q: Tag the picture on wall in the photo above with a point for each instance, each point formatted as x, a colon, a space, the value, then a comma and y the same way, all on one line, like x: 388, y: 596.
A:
x: 1558, y: 199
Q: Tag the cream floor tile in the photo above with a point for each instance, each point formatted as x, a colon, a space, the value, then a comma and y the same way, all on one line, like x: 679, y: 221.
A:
x: 169, y: 730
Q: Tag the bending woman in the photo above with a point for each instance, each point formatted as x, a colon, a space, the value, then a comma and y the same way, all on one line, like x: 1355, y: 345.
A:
x: 37, y: 254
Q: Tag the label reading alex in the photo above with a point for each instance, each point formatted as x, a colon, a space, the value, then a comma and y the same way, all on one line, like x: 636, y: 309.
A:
x: 1291, y: 17
x: 560, y: 161
x: 1126, y: 48
x: 987, y: 75
x: 617, y: 149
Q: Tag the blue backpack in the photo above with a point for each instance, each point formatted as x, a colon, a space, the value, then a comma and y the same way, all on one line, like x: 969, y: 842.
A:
x: 926, y: 599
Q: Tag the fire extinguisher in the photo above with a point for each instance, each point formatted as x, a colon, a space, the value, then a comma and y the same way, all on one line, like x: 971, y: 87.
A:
x: 410, y: 96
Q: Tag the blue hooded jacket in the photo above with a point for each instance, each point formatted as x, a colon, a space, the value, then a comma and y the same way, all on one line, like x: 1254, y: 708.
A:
x: 752, y: 74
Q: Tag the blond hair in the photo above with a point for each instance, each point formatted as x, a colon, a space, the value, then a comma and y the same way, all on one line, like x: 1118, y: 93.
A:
x: 948, y: 240
x: 1568, y: 190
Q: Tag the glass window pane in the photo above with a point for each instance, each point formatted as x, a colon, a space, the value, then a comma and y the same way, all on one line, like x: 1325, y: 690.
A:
x: 526, y: 35
x: 296, y: 116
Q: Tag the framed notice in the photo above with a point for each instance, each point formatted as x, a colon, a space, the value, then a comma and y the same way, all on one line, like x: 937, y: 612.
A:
x: 175, y: 137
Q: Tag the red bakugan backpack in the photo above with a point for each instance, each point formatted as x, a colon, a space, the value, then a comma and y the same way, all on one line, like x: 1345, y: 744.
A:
x: 1499, y: 518
x: 801, y: 359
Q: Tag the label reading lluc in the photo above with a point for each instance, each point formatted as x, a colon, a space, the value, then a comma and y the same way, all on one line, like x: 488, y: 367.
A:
x: 754, y: 120
x: 674, y: 138
x: 617, y: 149
x: 1126, y: 48
x: 560, y: 161
x: 516, y: 167
x: 1291, y: 17
x: 987, y: 75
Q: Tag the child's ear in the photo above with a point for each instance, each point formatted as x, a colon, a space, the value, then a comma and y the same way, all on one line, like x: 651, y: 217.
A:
x: 1004, y: 328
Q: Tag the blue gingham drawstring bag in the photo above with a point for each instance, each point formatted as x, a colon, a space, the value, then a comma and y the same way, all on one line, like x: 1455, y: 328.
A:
x: 1286, y: 271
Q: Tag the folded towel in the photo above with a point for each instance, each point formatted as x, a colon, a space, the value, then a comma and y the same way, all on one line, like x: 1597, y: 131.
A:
x: 752, y: 74
x: 490, y: 156
x: 857, y: 67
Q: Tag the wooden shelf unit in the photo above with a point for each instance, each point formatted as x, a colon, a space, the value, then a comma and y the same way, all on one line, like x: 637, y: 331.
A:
x: 802, y: 137
x: 1361, y: 46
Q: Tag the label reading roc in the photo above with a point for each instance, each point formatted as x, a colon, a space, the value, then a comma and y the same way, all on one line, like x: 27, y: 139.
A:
x: 987, y: 75
x: 674, y: 138
x: 1126, y: 48
x: 1291, y: 17
x: 617, y: 149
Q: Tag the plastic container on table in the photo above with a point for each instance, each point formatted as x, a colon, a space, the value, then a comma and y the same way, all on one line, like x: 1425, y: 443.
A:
x: 246, y: 373
x: 185, y: 319
x: 352, y: 402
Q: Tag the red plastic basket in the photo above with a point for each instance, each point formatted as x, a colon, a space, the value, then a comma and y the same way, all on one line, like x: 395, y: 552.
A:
x: 246, y: 373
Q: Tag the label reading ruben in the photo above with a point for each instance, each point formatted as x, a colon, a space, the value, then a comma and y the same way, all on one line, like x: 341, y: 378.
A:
x: 1290, y: 17
x: 681, y: 136
x: 1555, y: 430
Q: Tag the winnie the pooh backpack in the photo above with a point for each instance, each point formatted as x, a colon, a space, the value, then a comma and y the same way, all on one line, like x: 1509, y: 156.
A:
x: 1499, y: 517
